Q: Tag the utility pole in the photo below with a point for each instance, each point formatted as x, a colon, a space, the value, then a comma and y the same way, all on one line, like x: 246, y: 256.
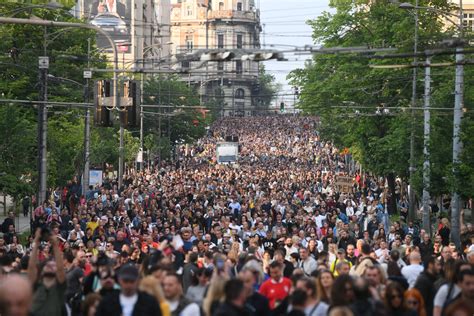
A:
x: 121, y: 152
x: 426, y: 150
x: 43, y: 64
x: 87, y: 122
x: 411, y: 191
x: 141, y: 120
x: 457, y: 143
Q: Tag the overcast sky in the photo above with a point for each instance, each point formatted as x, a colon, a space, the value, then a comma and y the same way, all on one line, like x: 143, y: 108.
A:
x: 284, y: 28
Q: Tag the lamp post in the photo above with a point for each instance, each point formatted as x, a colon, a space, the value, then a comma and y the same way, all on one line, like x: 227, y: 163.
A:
x: 412, y: 168
x: 457, y: 118
x: 43, y: 121
x: 85, y: 175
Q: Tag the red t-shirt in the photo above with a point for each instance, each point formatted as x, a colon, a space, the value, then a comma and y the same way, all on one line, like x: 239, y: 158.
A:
x: 276, y: 292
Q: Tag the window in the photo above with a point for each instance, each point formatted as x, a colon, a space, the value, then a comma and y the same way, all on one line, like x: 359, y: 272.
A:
x: 220, y: 40
x: 189, y: 42
x: 239, y: 93
x: 239, y: 40
x: 220, y: 66
x: 185, y: 64
x: 189, y: 10
x: 221, y: 6
x: 238, y: 67
x: 239, y: 6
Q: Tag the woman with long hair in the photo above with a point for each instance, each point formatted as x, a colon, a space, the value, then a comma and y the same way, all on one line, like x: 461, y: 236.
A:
x: 199, y: 283
x: 90, y: 303
x: 215, y: 294
x: 342, y: 291
x: 395, y: 301
x: 151, y: 286
x: 324, y: 283
x: 414, y: 301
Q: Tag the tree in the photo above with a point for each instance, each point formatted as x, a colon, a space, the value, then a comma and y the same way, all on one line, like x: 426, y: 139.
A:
x: 266, y: 88
x: 173, y: 123
x: 379, y: 141
x: 17, y: 151
x: 19, y: 79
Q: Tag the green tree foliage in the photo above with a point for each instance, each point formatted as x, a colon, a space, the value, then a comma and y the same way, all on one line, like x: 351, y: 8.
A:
x: 19, y: 80
x: 174, y: 122
x: 266, y: 88
x: 335, y: 86
x: 17, y: 150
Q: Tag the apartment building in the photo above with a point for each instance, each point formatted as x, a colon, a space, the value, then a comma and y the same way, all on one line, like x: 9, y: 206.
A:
x: 139, y: 28
x: 218, y: 24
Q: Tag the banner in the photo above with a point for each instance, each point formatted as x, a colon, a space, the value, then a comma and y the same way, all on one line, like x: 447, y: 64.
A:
x: 95, y: 177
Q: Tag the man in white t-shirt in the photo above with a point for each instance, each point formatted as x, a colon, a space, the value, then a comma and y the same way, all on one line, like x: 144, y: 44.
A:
x: 412, y: 271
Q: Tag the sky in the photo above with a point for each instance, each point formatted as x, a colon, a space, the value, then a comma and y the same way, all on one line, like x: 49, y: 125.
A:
x: 284, y: 28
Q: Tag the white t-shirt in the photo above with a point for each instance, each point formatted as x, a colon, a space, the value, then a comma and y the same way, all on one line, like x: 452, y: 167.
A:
x: 320, y: 310
x: 190, y: 310
x: 411, y: 273
x: 128, y: 303
x: 442, y: 294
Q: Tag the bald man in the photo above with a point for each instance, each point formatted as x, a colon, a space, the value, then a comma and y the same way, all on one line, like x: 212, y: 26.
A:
x: 412, y: 271
x: 15, y: 295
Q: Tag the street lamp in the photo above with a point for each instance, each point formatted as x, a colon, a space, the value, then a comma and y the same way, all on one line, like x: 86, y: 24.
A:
x: 457, y: 117
x: 87, y: 129
x: 43, y: 65
x: 412, y: 168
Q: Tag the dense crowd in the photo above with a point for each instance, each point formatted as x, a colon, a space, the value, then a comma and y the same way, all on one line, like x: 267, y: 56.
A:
x: 270, y: 236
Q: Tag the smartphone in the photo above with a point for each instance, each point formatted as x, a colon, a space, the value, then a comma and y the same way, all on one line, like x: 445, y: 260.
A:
x: 220, y: 263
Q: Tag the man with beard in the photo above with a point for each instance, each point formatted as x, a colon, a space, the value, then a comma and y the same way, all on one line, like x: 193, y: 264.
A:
x: 50, y: 282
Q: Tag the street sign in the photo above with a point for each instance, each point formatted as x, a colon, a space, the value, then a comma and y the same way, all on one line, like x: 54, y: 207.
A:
x: 87, y: 74
x: 43, y: 62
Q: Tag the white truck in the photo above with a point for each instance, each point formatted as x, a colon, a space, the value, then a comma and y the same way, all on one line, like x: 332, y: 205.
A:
x: 227, y: 152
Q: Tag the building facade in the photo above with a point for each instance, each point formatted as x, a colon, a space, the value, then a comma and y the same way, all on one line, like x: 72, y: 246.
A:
x: 139, y: 28
x: 227, y: 25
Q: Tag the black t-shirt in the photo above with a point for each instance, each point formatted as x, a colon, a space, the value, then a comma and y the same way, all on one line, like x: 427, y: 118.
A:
x: 269, y: 244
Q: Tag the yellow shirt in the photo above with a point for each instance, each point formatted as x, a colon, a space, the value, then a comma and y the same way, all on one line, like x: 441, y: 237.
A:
x: 165, y: 309
x: 92, y: 225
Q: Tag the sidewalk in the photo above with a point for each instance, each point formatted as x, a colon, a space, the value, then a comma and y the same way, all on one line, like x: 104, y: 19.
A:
x: 22, y: 223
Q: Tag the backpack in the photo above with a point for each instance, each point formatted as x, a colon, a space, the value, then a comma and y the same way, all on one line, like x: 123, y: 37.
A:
x: 449, y: 300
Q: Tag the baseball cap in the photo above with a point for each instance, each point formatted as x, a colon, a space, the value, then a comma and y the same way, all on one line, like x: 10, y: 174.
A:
x: 128, y: 272
x: 341, y: 250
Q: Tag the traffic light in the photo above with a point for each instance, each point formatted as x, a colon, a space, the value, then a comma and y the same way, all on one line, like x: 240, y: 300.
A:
x: 282, y: 107
x: 264, y: 55
x: 130, y: 103
x: 297, y: 90
x: 217, y: 56
x: 103, y: 102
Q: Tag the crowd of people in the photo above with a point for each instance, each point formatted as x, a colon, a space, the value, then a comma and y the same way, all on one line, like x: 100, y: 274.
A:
x: 272, y: 235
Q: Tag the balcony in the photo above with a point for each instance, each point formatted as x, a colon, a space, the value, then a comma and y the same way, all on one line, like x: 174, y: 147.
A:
x: 247, y: 16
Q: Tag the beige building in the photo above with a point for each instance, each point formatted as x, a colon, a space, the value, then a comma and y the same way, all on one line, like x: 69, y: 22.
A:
x: 468, y: 13
x: 230, y: 25
x: 139, y: 28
